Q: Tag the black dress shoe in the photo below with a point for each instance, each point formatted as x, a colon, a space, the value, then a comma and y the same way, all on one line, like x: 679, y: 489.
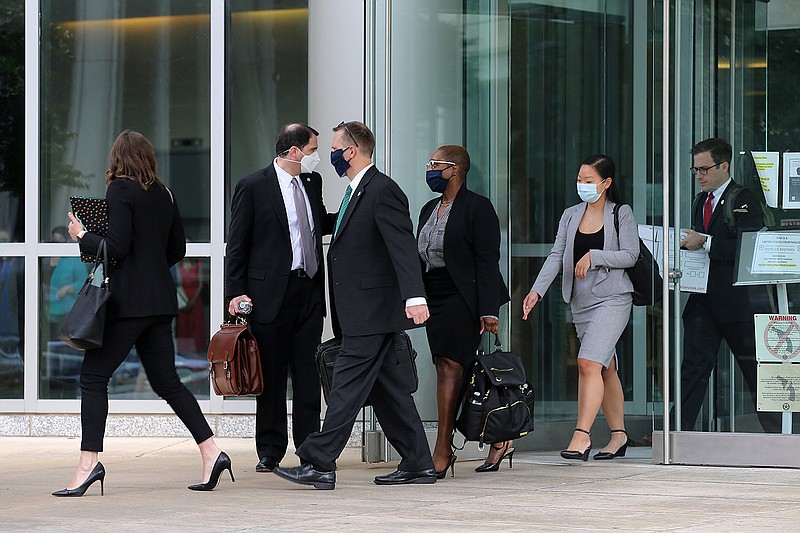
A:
x: 401, y: 477
x: 306, y: 474
x: 266, y: 464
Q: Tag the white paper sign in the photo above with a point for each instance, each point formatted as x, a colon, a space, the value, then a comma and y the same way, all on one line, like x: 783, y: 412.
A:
x: 767, y: 168
x: 778, y: 387
x: 694, y: 263
x: 777, y: 338
x: 791, y: 180
x: 776, y: 253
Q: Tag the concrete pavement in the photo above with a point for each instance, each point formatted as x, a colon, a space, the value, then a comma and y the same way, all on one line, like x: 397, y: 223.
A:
x: 147, y: 477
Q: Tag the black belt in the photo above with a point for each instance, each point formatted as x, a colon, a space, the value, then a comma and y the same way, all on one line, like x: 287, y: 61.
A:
x: 298, y: 273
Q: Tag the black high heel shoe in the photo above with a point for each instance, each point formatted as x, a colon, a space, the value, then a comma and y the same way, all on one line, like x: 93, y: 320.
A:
x: 600, y: 456
x: 578, y: 455
x: 494, y: 467
x: 222, y: 463
x: 451, y: 464
x: 97, y: 473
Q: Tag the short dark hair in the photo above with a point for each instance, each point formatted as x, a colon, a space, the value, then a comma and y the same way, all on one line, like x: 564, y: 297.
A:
x: 359, y: 133
x: 605, y: 166
x: 60, y: 230
x: 719, y: 149
x: 458, y: 155
x: 293, y: 135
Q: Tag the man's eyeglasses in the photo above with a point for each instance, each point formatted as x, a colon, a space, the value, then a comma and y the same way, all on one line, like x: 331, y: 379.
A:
x: 343, y: 124
x: 433, y: 162
x: 703, y: 170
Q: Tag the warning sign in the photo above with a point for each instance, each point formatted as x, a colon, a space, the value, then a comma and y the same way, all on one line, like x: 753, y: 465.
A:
x: 778, y: 388
x: 777, y: 338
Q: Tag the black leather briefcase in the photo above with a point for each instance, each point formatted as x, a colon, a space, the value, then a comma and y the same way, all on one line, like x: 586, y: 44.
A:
x: 328, y: 351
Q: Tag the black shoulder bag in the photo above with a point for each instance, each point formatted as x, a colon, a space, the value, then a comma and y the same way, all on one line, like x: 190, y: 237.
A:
x: 83, y: 327
x: 644, y: 274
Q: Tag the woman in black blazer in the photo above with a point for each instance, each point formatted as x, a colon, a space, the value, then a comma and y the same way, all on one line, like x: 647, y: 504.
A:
x: 145, y: 237
x: 459, y: 247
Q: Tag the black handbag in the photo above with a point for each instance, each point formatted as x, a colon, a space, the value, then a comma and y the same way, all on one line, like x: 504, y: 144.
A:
x: 498, y: 400
x: 644, y: 274
x: 329, y: 351
x: 84, y: 324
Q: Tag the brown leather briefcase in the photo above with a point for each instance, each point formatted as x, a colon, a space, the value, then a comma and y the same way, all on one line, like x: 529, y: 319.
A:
x: 234, y: 362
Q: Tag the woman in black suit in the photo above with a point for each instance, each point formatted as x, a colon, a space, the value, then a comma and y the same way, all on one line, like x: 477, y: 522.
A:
x: 459, y: 247
x: 145, y: 237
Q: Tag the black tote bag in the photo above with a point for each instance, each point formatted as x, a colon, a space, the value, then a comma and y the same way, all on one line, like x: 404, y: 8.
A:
x: 84, y: 325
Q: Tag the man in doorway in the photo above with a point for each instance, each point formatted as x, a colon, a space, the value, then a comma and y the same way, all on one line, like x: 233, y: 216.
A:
x: 274, y: 265
x: 376, y: 291
x: 724, y: 311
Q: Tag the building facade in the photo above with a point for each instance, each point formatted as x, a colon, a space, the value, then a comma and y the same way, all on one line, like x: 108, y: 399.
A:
x: 530, y: 88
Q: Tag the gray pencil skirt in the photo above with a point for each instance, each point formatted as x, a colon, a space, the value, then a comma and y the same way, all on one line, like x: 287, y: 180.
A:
x: 598, y: 321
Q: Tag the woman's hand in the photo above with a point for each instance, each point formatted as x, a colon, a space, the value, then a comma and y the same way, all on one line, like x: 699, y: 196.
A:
x: 74, y: 227
x: 530, y: 301
x: 583, y: 266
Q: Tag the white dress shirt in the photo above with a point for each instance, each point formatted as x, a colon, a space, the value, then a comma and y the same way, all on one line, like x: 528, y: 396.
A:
x: 285, y: 184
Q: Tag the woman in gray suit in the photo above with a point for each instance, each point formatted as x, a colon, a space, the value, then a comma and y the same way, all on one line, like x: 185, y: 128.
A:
x: 597, y: 288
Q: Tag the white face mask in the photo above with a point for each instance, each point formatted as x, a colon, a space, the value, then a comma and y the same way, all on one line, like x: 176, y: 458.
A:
x: 309, y: 162
x: 588, y: 192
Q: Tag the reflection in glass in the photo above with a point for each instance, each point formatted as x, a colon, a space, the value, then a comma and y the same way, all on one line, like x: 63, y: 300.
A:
x: 60, y: 365
x: 12, y: 315
x: 267, y: 85
x: 12, y: 121
x: 111, y: 65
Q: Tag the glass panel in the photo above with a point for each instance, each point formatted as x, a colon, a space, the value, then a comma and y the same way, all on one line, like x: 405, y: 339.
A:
x: 111, y: 65
x: 12, y: 121
x: 12, y: 314
x: 267, y: 85
x: 60, y: 365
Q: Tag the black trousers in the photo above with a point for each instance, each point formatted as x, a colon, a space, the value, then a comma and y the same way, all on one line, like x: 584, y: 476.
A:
x: 702, y: 336
x: 152, y: 337
x: 369, y: 367
x: 288, y: 343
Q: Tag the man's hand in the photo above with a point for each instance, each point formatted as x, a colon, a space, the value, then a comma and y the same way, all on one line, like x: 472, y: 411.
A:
x: 490, y: 324
x: 582, y: 267
x: 418, y: 313
x: 233, y: 305
x: 693, y: 240
x: 530, y: 301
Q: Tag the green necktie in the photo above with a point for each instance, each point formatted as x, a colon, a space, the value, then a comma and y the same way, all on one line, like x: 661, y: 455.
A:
x: 342, y: 209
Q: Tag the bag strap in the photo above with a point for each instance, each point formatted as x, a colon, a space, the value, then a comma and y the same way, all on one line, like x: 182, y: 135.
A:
x: 171, y: 198
x: 101, y: 258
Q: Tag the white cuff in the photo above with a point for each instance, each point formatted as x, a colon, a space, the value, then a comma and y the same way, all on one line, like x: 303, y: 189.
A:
x: 419, y: 300
x: 707, y: 244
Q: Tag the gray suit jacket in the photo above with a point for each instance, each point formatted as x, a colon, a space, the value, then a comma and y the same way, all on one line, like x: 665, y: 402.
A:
x: 611, y: 261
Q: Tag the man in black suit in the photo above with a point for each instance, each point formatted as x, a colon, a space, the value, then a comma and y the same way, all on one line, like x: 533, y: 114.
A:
x: 724, y: 311
x: 274, y: 262
x: 376, y: 290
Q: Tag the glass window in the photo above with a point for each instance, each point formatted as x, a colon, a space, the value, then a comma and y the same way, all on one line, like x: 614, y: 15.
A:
x: 60, y: 365
x: 12, y: 121
x: 107, y: 66
x: 268, y: 80
x: 12, y: 325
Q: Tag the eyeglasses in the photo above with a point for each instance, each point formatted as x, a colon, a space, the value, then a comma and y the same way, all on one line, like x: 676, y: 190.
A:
x: 433, y: 162
x: 703, y: 170
x: 343, y: 124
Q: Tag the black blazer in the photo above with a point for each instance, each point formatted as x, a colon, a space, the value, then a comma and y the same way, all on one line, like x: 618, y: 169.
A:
x: 373, y: 265
x: 726, y: 302
x: 472, y: 251
x: 258, y: 258
x: 145, y: 235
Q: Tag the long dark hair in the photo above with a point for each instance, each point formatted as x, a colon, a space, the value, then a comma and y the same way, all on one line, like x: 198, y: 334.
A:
x: 605, y: 166
x: 133, y: 158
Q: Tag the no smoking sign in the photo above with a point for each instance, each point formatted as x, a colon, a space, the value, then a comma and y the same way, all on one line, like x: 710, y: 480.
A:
x: 777, y: 338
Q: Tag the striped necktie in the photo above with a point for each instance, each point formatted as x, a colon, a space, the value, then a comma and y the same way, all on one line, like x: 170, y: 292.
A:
x: 342, y: 209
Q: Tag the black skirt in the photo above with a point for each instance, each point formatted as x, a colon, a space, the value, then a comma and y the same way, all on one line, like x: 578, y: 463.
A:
x: 451, y: 330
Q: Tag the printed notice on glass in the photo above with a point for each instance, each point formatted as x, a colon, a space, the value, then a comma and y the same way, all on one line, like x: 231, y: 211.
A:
x: 777, y: 338
x: 778, y: 387
x: 776, y: 253
x: 767, y: 168
x: 694, y: 263
x: 791, y: 180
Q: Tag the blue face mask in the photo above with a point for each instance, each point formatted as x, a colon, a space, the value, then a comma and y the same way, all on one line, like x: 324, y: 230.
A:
x: 340, y: 164
x: 435, y: 180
